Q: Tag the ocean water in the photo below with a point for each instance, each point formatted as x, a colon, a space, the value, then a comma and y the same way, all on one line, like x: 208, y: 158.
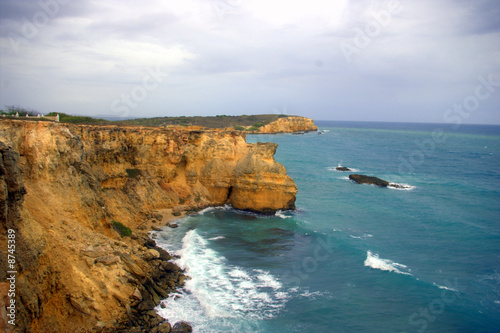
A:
x: 355, y: 258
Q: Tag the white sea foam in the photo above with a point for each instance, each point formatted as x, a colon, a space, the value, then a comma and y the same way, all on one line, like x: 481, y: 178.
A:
x: 373, y: 261
x: 364, y: 236
x: 266, y: 280
x: 280, y: 214
x: 401, y: 187
x: 206, y: 210
x: 335, y: 169
x: 444, y: 287
x: 219, y: 294
x: 315, y: 294
x: 216, y: 238
x: 210, y: 209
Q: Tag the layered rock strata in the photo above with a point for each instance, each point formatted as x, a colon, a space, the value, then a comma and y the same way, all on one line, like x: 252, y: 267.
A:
x: 62, y: 187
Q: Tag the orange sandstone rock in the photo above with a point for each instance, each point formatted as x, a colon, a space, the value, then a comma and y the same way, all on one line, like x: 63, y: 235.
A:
x: 292, y: 124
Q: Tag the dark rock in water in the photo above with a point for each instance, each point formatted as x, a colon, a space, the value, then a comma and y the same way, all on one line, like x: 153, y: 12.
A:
x: 182, y: 327
x: 149, y: 243
x: 362, y: 179
x: 342, y: 168
x: 162, y: 328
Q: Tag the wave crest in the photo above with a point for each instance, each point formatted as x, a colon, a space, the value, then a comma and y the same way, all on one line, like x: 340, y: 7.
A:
x: 218, y: 292
x: 375, y: 262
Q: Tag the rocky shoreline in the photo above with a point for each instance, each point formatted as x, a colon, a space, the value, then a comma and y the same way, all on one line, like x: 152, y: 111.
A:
x: 163, y: 278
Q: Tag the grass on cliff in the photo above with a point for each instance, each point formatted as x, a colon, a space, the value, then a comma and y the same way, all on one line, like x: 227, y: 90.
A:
x: 67, y: 118
x: 122, y: 230
x: 221, y: 121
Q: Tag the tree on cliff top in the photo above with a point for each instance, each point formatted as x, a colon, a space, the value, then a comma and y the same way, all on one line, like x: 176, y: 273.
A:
x: 13, y: 109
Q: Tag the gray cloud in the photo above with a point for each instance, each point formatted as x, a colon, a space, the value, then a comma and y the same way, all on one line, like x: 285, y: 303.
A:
x: 251, y: 57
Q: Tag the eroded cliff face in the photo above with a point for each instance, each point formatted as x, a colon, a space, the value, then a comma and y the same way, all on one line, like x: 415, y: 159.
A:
x: 61, y: 186
x: 291, y: 124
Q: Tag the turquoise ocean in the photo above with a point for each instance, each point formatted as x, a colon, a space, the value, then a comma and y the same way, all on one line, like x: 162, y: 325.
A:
x: 354, y: 258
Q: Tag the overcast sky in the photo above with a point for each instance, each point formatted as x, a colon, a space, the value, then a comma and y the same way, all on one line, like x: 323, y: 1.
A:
x: 421, y: 60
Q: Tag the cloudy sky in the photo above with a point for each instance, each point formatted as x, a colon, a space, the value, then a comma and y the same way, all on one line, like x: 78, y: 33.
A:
x: 423, y: 61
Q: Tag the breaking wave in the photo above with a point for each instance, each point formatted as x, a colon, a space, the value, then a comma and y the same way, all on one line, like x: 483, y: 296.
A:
x: 375, y: 262
x: 219, y: 293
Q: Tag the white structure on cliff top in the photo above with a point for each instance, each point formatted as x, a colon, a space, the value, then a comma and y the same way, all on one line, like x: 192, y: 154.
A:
x: 53, y: 118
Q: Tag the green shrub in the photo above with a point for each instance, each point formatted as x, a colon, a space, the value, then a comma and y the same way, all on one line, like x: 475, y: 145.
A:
x: 122, y: 230
x: 253, y: 128
x: 66, y: 118
x: 239, y: 128
x: 133, y: 173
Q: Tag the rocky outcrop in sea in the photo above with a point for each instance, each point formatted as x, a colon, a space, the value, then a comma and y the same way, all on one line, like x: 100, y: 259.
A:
x: 291, y: 124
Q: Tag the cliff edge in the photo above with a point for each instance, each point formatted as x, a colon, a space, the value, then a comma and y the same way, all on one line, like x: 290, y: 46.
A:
x: 64, y: 187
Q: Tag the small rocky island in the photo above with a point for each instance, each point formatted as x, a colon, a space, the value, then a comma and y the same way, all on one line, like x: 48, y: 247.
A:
x: 363, y: 179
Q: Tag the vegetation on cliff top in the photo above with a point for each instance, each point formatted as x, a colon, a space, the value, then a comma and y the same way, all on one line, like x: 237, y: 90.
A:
x: 220, y: 121
x: 243, y: 122
x: 22, y: 112
x: 67, y: 118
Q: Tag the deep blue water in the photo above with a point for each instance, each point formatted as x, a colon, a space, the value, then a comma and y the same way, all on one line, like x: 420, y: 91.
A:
x: 355, y: 258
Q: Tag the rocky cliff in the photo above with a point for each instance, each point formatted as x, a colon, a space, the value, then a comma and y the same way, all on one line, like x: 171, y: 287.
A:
x: 63, y: 187
x: 292, y: 124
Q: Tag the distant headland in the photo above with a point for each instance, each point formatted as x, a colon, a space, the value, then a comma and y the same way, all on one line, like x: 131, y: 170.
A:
x: 259, y: 123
